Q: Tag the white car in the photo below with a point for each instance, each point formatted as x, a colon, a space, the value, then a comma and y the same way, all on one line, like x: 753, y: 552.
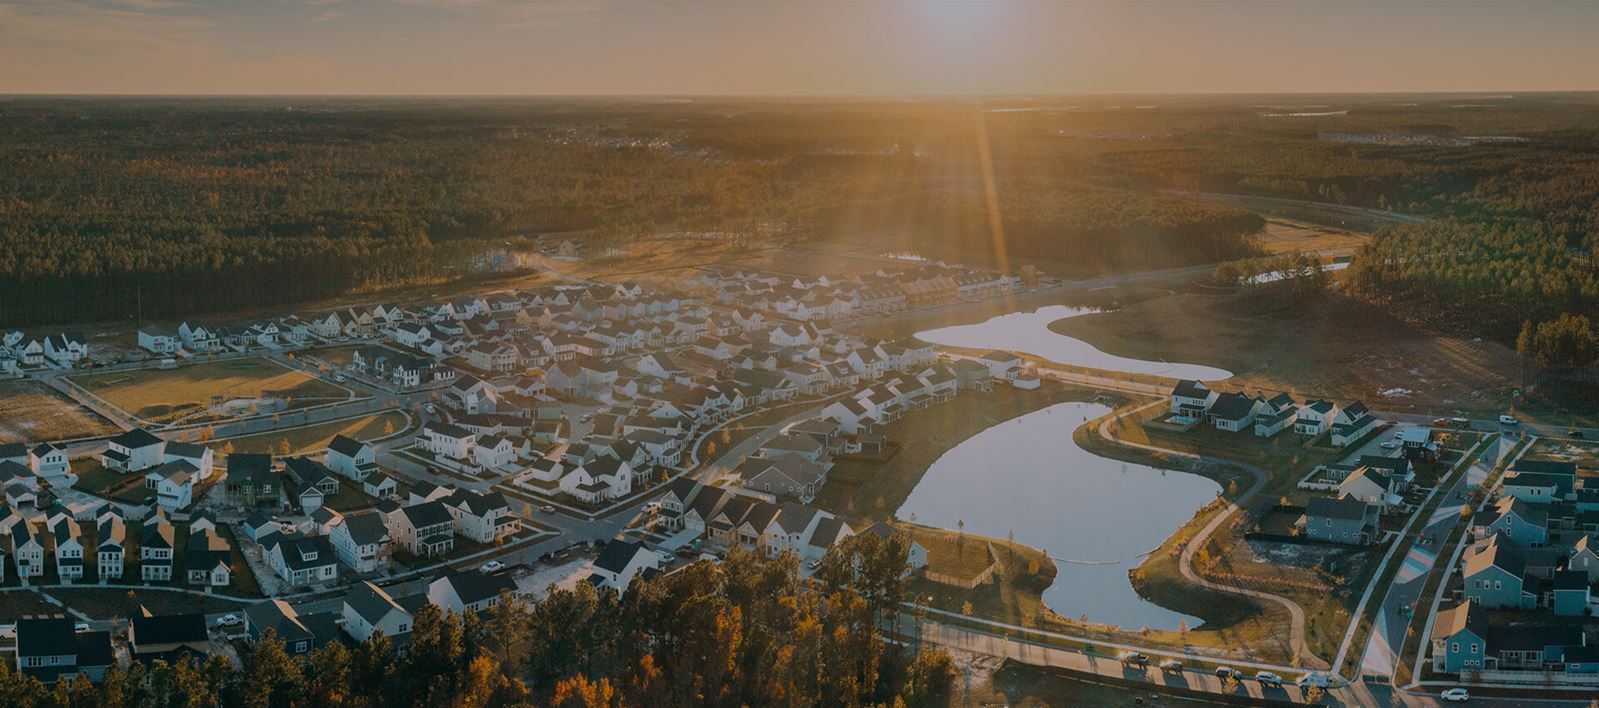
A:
x: 1507, y: 419
x: 1172, y: 665
x: 1388, y: 445
x: 431, y: 409
x: 492, y: 567
x: 1267, y: 678
x: 1317, y: 680
x: 1455, y: 695
x: 228, y: 620
x: 80, y: 627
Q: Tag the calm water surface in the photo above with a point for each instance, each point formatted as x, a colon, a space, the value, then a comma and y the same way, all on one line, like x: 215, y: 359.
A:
x: 1028, y: 332
x: 1026, y: 476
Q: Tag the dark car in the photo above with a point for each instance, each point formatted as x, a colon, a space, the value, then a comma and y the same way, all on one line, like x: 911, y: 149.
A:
x: 1575, y: 433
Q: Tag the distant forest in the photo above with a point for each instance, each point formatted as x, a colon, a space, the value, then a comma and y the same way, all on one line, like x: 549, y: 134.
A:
x: 191, y: 206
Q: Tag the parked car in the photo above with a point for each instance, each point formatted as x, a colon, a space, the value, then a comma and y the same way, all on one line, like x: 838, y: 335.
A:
x: 1460, y: 422
x: 80, y: 627
x: 1172, y: 665
x: 1507, y: 419
x: 340, y: 378
x: 1440, y: 422
x: 229, y: 620
x: 492, y: 566
x: 1133, y: 657
x: 1227, y: 672
x: 1388, y: 445
x: 1317, y: 680
x: 1455, y: 695
x: 430, y: 408
x: 1574, y: 433
x: 548, y: 509
x: 1267, y: 678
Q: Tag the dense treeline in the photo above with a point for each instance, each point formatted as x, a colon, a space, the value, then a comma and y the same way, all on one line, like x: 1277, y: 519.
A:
x: 745, y: 632
x: 185, y: 206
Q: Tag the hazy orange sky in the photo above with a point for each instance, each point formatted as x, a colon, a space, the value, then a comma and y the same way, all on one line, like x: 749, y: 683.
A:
x: 874, y: 48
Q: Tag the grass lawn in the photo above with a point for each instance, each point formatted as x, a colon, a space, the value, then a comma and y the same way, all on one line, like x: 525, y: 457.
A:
x: 315, y: 437
x: 1015, y: 594
x: 165, y: 395
x: 95, y: 479
x: 875, y: 490
x: 106, y: 603
x: 16, y: 604
x: 35, y: 412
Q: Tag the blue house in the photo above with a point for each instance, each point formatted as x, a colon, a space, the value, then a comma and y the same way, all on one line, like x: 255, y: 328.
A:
x: 1493, y: 572
x: 1459, y: 638
x: 1526, y: 525
x: 1569, y: 593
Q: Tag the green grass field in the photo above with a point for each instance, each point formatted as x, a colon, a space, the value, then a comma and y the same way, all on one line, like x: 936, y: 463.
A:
x: 166, y: 395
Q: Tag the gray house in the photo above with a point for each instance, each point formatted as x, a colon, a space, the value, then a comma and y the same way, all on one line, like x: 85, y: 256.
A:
x: 1525, y: 524
x: 1345, y: 520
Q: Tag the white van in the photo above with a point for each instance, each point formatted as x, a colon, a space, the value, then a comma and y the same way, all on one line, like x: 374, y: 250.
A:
x: 1317, y: 680
x: 1507, y: 419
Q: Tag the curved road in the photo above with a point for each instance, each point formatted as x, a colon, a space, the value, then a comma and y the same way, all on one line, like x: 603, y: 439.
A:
x: 1185, y: 564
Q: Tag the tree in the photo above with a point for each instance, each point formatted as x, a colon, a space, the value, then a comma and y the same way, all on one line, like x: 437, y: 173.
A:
x: 929, y: 678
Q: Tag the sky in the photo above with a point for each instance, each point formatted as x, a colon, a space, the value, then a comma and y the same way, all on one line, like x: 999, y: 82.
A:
x: 773, y: 47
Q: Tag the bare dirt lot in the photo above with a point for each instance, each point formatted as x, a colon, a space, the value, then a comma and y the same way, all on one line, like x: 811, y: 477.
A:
x: 165, y: 395
x: 1285, y: 236
x: 31, y: 411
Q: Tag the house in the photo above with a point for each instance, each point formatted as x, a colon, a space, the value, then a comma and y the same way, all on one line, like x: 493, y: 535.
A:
x: 68, y: 536
x: 48, y: 460
x: 1191, y: 398
x: 111, y: 555
x: 252, y: 482
x: 448, y: 440
x: 208, y: 559
x: 1276, y: 415
x: 52, y: 650
x: 362, y: 542
x: 284, y: 622
x: 1569, y: 593
x: 156, y: 550
x: 198, y: 455
x: 380, y: 486
x: 1372, y: 486
x: 169, y: 637
x: 1233, y: 412
x: 916, y: 556
x: 1339, y: 520
x: 65, y: 348
x: 1352, y: 423
x: 786, y: 476
x: 474, y: 395
x: 1493, y: 573
x: 472, y: 589
x: 1525, y: 525
x: 1460, y: 638
x: 197, y: 338
x: 173, y: 484
x: 1314, y: 418
x: 483, y: 518
x: 301, y: 560
x: 494, y: 452
x: 620, y: 563
x: 1585, y: 557
x: 351, y: 458
x: 159, y: 339
x: 308, y: 474
x: 1541, y: 482
x: 425, y: 530
x: 367, y: 608
x: 133, y: 451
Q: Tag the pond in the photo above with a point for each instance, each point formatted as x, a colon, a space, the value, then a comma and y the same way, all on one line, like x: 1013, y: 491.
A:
x: 1029, y: 333
x: 1027, y: 477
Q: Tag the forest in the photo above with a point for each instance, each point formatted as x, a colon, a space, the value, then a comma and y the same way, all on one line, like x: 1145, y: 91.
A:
x: 746, y: 631
x: 171, y: 207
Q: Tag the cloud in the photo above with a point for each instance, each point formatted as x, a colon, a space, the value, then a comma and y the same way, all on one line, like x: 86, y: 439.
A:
x: 548, y: 14
x: 326, y: 16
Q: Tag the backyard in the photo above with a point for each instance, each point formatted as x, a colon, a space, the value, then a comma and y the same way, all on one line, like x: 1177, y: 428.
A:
x: 210, y: 391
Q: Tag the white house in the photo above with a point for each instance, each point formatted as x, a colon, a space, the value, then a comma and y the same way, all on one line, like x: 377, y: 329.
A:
x: 448, y: 440
x: 351, y: 458
x: 133, y: 451
x: 621, y: 562
x: 200, y: 456
x: 462, y: 590
x: 362, y: 542
x: 65, y: 348
x: 69, y: 547
x: 197, y: 338
x: 480, y: 517
x: 494, y: 451
x: 159, y: 339
x: 173, y: 484
x: 301, y: 560
x: 367, y: 607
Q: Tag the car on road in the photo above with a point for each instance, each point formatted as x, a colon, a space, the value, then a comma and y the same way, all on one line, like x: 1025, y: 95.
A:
x: 1399, y: 434
x: 1227, y: 672
x: 340, y: 378
x: 1267, y: 678
x: 1317, y: 680
x: 1507, y: 419
x: 1455, y: 695
x: 1172, y: 665
x: 1440, y: 422
x: 1575, y: 433
x: 229, y: 620
x: 548, y: 509
x: 1134, y: 658
x: 1388, y: 445
x: 80, y: 627
x: 492, y: 566
x: 1461, y: 422
x: 430, y: 408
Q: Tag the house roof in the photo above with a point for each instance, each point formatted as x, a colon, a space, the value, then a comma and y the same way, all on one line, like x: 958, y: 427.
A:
x: 1493, y: 552
x: 366, y: 528
x: 426, y: 514
x: 169, y: 629
x: 1467, y: 615
x: 618, y: 554
x: 1188, y: 388
x: 371, y: 602
x: 347, y: 446
x: 280, y: 617
x: 136, y: 438
x: 46, y: 637
x: 1550, y: 467
x: 473, y: 586
x: 1331, y: 508
x: 1232, y: 406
